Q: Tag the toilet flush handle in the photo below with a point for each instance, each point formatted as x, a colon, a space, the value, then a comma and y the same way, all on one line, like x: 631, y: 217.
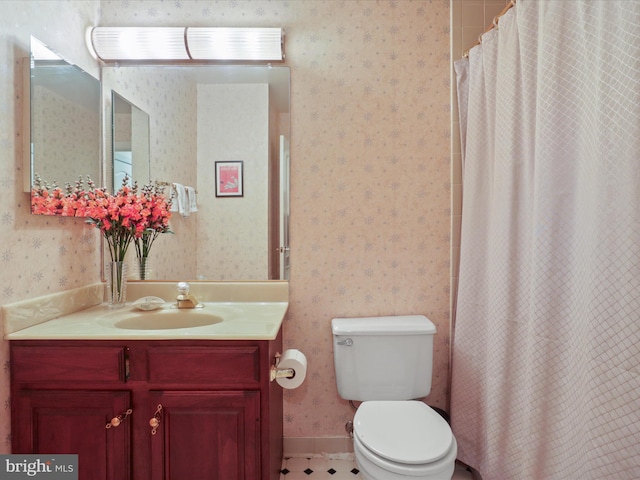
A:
x: 347, y: 342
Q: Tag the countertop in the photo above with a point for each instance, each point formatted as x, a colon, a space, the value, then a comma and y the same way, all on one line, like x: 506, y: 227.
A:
x: 249, y: 321
x: 247, y: 311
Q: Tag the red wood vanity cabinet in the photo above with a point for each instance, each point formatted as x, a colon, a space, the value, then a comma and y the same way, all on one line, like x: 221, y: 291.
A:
x: 199, y: 409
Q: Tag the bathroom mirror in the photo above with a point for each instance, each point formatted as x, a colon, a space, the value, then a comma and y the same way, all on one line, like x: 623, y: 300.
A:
x: 64, y: 115
x: 130, y: 145
x: 199, y: 115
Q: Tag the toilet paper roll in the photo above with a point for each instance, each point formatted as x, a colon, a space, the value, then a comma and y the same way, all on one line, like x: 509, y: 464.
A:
x: 296, y: 360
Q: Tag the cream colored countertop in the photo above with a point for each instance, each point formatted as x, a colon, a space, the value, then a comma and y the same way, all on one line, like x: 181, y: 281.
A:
x: 248, y: 311
x: 248, y: 321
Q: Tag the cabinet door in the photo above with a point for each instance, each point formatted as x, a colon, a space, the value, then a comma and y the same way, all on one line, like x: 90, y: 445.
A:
x: 74, y: 422
x: 206, y: 435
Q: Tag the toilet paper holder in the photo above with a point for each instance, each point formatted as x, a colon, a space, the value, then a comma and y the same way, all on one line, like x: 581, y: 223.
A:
x: 280, y: 372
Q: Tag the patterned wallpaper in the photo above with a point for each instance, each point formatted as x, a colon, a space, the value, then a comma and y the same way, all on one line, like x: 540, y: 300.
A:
x: 370, y: 184
x: 370, y: 170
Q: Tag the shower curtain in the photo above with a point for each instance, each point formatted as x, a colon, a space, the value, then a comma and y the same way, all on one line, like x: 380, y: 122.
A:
x: 546, y: 350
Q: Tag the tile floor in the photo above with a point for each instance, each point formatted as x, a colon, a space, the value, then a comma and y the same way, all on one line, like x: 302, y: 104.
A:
x: 343, y: 468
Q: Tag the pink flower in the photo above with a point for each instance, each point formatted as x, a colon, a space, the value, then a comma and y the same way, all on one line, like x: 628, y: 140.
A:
x: 122, y: 218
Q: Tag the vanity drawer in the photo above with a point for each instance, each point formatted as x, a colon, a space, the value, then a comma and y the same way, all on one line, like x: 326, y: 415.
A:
x: 49, y: 364
x: 204, y: 365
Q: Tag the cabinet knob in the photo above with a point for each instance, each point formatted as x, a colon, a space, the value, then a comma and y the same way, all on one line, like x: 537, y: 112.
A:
x: 118, y: 419
x: 154, y: 422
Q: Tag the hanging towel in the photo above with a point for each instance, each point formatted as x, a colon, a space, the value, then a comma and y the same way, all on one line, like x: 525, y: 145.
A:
x: 191, y: 196
x: 180, y: 201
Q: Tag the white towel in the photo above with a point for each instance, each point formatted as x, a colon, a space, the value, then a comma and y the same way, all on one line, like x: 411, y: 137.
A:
x: 191, y: 195
x: 180, y: 200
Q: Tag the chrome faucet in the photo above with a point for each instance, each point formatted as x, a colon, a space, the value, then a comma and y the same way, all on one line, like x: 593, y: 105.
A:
x: 184, y: 298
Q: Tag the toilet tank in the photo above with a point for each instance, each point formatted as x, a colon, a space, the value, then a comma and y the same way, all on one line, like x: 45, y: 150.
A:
x: 383, y: 358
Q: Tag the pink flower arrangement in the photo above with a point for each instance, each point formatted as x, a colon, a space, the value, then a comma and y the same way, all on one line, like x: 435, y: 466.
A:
x: 122, y: 218
x: 52, y: 200
x: 155, y: 215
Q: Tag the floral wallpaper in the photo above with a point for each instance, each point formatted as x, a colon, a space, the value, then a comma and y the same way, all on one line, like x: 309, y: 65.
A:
x: 370, y: 170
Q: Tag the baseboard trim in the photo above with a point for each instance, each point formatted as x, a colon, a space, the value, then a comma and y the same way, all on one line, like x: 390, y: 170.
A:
x: 331, y: 447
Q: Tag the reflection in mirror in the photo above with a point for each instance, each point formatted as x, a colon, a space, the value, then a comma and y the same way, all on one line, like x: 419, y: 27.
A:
x: 199, y: 115
x: 130, y: 133
x: 64, y: 117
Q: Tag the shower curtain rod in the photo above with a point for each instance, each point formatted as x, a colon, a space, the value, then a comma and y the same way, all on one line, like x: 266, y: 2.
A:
x: 496, y: 19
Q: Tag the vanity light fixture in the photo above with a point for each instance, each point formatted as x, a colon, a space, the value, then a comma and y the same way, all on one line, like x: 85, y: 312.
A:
x: 225, y: 44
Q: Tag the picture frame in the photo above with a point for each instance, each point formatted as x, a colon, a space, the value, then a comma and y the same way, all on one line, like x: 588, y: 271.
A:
x: 229, y: 178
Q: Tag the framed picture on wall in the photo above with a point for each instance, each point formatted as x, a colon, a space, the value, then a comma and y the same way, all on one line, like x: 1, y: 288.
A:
x: 229, y: 179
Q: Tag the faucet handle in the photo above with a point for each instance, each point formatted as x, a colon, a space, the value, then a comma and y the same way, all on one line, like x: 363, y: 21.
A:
x: 183, y: 288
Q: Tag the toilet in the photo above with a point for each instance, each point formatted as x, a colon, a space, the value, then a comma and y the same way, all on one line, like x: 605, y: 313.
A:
x: 386, y: 363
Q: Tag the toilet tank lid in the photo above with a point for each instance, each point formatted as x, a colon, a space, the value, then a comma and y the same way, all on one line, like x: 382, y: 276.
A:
x: 394, y: 324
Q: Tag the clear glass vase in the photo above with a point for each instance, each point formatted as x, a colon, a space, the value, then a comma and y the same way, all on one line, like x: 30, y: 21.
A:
x: 116, y: 284
x: 144, y: 268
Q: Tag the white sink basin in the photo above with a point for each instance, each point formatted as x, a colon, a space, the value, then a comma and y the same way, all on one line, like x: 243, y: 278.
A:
x: 168, y: 318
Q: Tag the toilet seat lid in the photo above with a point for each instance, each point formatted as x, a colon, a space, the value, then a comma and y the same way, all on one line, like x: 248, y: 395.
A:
x: 403, y: 431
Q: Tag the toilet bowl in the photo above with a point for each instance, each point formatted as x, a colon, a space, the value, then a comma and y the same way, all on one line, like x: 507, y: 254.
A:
x: 396, y: 440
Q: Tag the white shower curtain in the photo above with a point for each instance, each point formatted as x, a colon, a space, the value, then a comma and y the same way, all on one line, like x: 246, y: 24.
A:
x: 546, y: 356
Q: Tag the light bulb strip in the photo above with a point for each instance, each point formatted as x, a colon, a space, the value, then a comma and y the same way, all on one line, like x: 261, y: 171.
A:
x: 187, y: 43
